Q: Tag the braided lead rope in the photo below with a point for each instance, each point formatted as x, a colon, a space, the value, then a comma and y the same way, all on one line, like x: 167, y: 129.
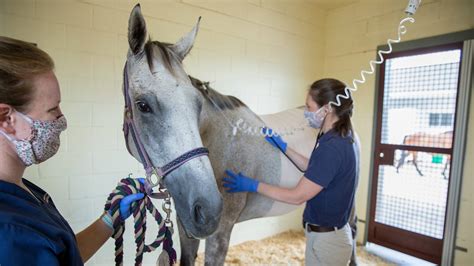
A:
x: 125, y: 187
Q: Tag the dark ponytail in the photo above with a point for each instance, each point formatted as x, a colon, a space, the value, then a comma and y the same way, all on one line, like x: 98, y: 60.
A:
x: 324, y: 91
x: 344, y: 125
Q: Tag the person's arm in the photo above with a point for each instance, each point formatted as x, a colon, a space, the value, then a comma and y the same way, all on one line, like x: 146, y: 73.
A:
x: 92, y: 238
x: 300, y: 160
x: 304, y: 191
x: 322, y: 168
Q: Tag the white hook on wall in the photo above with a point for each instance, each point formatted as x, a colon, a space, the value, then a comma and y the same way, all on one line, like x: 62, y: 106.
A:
x: 412, y: 7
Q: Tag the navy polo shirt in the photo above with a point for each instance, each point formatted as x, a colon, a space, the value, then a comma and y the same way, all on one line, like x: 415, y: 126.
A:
x: 32, y: 232
x: 332, y: 165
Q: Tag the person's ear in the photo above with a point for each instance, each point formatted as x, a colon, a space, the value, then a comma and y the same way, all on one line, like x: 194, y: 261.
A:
x: 327, y: 108
x: 6, y: 119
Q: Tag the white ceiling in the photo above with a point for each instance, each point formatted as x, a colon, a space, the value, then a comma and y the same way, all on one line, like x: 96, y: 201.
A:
x: 331, y: 4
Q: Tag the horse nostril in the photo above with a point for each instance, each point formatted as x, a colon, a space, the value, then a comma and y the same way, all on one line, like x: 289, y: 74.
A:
x: 198, y: 215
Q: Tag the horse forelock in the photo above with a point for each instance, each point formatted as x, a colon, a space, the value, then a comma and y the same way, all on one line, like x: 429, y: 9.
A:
x: 168, y: 56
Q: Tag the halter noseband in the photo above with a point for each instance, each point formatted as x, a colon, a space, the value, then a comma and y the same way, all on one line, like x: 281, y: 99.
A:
x: 130, y: 128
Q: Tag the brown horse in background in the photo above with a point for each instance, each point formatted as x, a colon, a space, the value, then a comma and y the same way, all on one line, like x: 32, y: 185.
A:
x: 442, y: 140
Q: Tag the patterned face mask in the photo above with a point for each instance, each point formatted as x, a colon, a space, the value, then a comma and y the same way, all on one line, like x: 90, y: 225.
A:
x: 44, y: 140
x: 315, y: 119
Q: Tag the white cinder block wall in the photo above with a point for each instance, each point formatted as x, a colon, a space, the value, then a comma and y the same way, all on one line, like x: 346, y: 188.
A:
x: 264, y: 52
x: 352, y: 35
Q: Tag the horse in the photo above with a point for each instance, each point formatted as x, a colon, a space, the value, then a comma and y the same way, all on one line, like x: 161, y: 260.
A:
x: 442, y: 140
x: 175, y: 113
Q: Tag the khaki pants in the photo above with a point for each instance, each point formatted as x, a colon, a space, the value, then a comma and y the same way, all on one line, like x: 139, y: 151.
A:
x: 331, y: 248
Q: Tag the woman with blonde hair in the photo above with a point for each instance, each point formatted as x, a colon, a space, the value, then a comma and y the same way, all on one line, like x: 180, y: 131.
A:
x: 32, y: 231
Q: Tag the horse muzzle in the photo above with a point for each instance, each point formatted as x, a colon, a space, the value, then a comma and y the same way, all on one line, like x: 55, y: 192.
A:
x: 202, y: 219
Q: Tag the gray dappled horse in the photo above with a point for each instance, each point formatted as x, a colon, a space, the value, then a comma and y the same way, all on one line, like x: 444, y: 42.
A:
x: 177, y: 113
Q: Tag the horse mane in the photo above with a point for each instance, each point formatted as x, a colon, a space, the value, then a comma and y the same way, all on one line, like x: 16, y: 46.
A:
x: 223, y: 102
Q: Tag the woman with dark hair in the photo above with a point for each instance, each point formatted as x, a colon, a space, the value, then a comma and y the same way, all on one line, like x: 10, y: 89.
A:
x: 329, y: 182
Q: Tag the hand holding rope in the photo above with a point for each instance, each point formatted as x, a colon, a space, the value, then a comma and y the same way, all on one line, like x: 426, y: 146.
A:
x: 129, y: 186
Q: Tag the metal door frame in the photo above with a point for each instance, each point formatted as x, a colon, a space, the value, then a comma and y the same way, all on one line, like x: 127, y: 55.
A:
x: 461, y: 123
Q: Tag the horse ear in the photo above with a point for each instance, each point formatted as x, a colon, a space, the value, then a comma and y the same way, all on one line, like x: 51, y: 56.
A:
x: 136, y: 30
x: 184, y: 45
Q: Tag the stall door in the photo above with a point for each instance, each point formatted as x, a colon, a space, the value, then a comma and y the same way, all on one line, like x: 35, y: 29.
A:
x: 413, y: 150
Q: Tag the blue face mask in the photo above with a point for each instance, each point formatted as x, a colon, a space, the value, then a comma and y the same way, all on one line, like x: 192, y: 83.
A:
x: 315, y: 119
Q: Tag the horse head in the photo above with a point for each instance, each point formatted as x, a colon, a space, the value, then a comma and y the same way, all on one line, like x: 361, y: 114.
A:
x: 166, y: 110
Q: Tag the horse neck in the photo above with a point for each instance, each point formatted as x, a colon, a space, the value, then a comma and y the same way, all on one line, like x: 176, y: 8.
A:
x: 216, y: 122
x: 217, y: 132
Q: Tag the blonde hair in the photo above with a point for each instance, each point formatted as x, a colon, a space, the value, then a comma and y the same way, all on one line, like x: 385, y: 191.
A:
x: 20, y: 63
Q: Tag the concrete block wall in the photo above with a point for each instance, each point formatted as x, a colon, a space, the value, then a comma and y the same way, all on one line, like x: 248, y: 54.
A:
x: 264, y: 52
x: 353, y: 33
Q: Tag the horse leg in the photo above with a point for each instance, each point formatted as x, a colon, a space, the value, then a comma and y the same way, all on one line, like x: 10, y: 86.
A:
x: 402, y: 160
x: 417, y: 169
x: 446, y: 168
x: 416, y: 164
x: 353, y: 225
x: 189, y: 247
x: 217, y: 245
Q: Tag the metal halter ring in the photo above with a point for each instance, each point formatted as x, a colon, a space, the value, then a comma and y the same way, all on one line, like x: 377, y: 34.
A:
x: 127, y: 113
x: 150, y: 179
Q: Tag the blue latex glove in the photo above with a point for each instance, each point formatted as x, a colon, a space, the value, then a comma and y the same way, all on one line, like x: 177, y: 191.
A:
x: 275, y: 140
x: 126, y: 202
x: 124, y: 207
x: 239, y: 182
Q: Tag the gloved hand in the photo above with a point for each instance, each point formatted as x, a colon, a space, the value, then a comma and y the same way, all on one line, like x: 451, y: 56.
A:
x: 124, y: 207
x: 275, y: 140
x: 126, y: 202
x: 239, y: 182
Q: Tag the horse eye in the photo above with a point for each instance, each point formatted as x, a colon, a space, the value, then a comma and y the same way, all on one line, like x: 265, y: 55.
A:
x: 143, y: 107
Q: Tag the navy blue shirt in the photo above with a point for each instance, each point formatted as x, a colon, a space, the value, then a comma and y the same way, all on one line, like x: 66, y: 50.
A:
x: 32, y: 232
x: 332, y: 165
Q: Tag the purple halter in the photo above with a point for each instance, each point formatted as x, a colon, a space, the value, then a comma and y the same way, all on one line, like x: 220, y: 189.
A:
x: 130, y: 128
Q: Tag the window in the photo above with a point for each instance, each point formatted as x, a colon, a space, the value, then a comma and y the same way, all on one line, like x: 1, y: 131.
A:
x: 441, y: 119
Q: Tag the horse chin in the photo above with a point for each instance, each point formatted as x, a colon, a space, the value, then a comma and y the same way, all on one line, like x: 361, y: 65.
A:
x: 190, y: 235
x: 196, y: 230
x: 200, y: 236
x: 193, y: 229
x: 199, y: 233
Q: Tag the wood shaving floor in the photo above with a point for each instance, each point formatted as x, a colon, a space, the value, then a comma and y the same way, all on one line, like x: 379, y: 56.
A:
x: 283, y: 249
